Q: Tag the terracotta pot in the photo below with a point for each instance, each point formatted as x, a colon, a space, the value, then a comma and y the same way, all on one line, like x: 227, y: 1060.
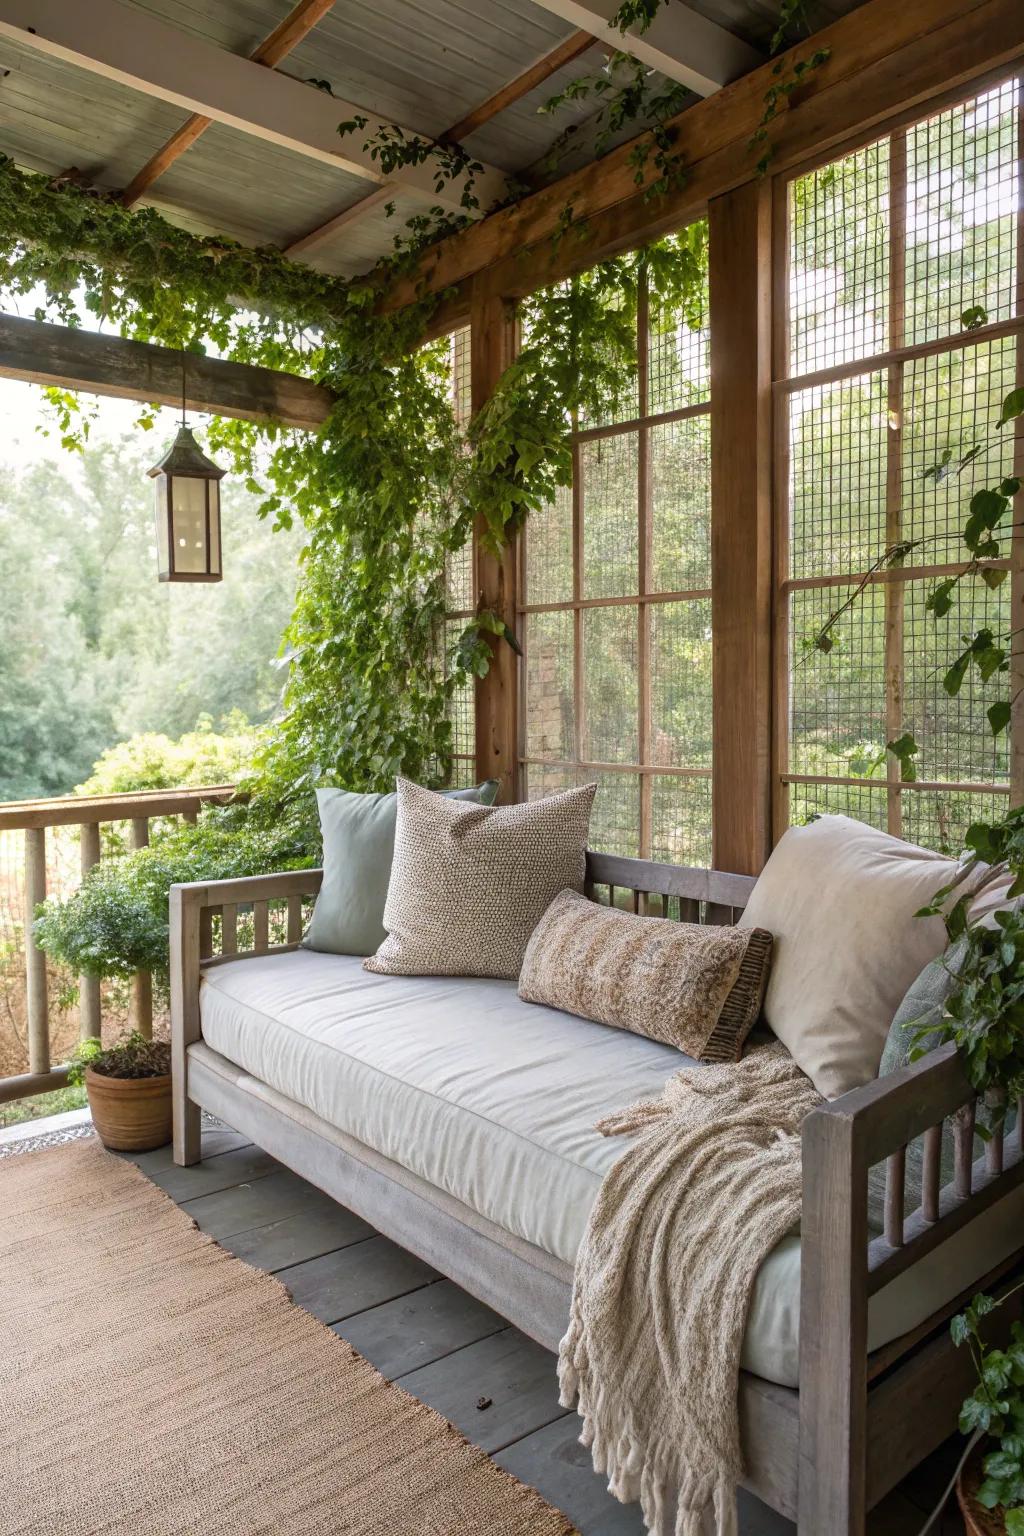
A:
x: 978, y: 1520
x: 131, y: 1114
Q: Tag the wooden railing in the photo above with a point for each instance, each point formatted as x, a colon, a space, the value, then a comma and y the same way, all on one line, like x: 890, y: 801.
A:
x: 35, y: 819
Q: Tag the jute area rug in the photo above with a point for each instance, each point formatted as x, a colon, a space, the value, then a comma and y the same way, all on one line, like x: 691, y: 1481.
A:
x: 153, y: 1385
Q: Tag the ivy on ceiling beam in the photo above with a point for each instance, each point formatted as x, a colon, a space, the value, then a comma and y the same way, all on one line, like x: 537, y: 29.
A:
x: 39, y: 353
x: 678, y: 41
x: 150, y: 56
x: 882, y: 60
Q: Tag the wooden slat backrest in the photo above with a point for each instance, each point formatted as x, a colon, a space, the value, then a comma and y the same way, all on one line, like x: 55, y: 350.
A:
x: 690, y: 894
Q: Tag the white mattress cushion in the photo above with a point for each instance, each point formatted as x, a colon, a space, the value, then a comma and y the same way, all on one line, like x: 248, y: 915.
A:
x: 494, y: 1100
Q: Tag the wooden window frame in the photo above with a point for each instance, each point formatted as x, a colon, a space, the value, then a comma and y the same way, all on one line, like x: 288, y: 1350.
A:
x: 894, y: 361
x: 643, y: 601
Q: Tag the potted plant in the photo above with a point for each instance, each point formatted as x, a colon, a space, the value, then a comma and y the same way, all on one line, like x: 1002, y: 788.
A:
x: 990, y: 1485
x: 129, y: 1088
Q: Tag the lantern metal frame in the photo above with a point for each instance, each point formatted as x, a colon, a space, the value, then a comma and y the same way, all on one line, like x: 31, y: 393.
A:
x: 185, y: 460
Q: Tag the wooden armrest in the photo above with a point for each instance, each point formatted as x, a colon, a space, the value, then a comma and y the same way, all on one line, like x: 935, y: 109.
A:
x: 249, y: 888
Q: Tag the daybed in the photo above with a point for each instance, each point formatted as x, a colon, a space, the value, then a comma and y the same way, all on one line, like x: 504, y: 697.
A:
x: 459, y: 1121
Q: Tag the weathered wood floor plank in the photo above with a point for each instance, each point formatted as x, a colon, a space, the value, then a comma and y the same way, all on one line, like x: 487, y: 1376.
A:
x: 417, y: 1329
x: 339, y: 1284
x: 509, y: 1373
x: 443, y: 1345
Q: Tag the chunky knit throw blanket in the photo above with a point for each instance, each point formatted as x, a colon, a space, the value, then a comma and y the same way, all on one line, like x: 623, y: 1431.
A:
x: 681, y: 1225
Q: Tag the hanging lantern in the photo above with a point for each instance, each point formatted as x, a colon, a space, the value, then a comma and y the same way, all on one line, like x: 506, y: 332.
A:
x: 186, y: 487
x: 187, y: 504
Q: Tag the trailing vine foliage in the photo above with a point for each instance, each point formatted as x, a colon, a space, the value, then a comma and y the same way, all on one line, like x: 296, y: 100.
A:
x: 388, y: 490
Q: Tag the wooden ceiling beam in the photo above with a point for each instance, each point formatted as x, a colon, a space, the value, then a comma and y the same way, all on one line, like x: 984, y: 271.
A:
x: 679, y: 42
x: 40, y: 353
x: 136, y: 49
x: 571, y: 48
x: 301, y: 20
x: 507, y: 95
x: 883, y: 59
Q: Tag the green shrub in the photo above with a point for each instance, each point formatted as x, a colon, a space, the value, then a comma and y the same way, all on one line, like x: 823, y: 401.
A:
x: 155, y: 761
x: 116, y: 923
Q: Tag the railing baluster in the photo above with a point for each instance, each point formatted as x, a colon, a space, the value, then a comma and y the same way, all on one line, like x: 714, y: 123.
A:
x: 994, y: 1149
x: 963, y: 1150
x: 37, y: 1001
x: 206, y: 915
x: 229, y: 930
x: 191, y: 815
x: 260, y: 926
x: 895, y: 1174
x: 931, y: 1173
x: 90, y: 1023
x: 142, y: 981
x: 294, y: 919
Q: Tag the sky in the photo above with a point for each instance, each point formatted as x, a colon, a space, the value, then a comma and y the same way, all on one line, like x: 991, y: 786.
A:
x: 23, y: 412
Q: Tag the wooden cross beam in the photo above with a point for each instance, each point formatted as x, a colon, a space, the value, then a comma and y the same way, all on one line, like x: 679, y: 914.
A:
x: 679, y: 42
x: 884, y: 59
x: 288, y: 34
x: 40, y: 353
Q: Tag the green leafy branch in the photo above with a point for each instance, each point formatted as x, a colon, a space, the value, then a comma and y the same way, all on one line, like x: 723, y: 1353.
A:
x: 996, y: 1408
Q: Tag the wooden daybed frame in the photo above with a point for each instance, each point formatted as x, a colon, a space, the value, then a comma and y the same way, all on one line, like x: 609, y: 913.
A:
x: 823, y: 1455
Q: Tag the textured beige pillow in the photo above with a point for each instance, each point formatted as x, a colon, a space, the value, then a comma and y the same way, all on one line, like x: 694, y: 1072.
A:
x: 840, y: 898
x: 696, y: 988
x: 469, y: 883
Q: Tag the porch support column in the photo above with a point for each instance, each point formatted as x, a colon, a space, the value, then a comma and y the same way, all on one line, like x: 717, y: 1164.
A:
x: 492, y: 348
x: 741, y: 526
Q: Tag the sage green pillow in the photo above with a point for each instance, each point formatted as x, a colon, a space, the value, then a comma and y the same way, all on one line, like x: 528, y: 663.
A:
x: 359, y: 843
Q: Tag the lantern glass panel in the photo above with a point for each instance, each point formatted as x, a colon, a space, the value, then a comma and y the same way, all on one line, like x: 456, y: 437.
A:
x: 188, y: 520
x: 160, y: 513
x: 214, y: 527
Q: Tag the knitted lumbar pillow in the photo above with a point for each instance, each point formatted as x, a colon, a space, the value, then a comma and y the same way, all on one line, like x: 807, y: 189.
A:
x: 697, y: 988
x: 469, y: 882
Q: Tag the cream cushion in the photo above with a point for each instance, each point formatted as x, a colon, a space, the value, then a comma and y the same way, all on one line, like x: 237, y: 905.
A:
x: 840, y: 898
x: 493, y: 1101
x: 469, y: 883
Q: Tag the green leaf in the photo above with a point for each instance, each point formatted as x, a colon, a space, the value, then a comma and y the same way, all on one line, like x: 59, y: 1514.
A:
x: 1013, y: 406
x: 1014, y: 1521
x: 940, y: 600
x: 904, y: 749
x: 999, y: 716
x: 953, y: 680
x: 973, y: 317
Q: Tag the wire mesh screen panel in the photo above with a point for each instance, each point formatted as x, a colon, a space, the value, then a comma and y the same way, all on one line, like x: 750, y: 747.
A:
x: 961, y: 217
x: 837, y: 453
x: 905, y: 333
x: 608, y: 494
x: 839, y: 261
x: 460, y: 595
x: 680, y: 457
x: 615, y: 613
x: 547, y: 552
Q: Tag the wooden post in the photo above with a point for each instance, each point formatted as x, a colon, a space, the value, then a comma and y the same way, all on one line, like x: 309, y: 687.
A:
x: 895, y: 594
x: 1017, y: 537
x: 142, y: 981
x: 89, y: 1018
x: 833, y: 1328
x: 496, y: 708
x: 741, y: 544
x: 35, y: 960
x: 185, y: 1021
